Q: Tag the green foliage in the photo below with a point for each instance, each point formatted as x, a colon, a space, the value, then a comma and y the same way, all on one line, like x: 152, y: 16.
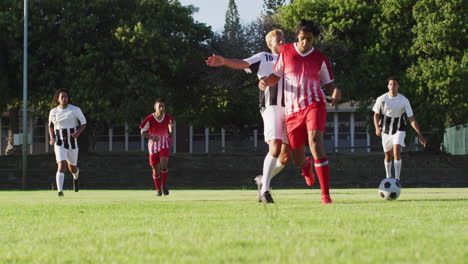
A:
x: 232, y: 26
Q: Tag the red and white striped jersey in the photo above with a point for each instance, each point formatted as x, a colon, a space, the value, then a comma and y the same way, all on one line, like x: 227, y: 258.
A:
x: 158, y: 128
x: 302, y: 74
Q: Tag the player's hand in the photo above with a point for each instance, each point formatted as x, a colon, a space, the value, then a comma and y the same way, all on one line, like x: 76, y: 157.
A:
x: 336, y: 97
x: 155, y: 138
x: 51, y: 141
x: 422, y: 140
x: 215, y: 61
x: 378, y: 132
x: 76, y: 134
x: 262, y: 84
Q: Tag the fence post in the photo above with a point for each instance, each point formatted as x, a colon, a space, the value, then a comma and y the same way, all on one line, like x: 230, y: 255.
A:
x: 31, y: 146
x: 46, y: 137
x: 191, y: 139
x: 351, y: 129
x: 335, y: 130
x: 255, y: 132
x: 368, y: 141
x: 223, y: 140
x: 207, y: 140
x: 111, y: 132
x: 142, y: 139
x: 126, y: 135
x: 174, y: 138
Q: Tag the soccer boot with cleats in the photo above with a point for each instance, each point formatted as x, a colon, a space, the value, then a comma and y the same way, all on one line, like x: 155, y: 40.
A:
x: 308, y: 173
x: 76, y: 185
x: 266, y: 197
x: 60, y: 194
x: 326, y: 199
x: 159, y: 193
x: 258, y: 181
x: 165, y: 190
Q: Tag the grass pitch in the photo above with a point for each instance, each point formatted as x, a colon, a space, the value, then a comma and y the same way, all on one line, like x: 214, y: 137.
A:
x: 230, y: 226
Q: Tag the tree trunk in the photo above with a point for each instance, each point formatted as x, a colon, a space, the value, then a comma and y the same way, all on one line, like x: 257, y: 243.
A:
x: 13, y: 128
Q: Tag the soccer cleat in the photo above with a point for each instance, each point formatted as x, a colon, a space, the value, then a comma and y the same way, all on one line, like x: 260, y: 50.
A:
x: 326, y: 199
x: 159, y: 193
x: 60, y: 194
x: 165, y: 190
x: 266, y: 197
x: 308, y: 173
x: 76, y: 185
x: 258, y: 181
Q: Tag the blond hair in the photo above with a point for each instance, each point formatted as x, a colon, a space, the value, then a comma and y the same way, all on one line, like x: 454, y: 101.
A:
x: 271, y: 34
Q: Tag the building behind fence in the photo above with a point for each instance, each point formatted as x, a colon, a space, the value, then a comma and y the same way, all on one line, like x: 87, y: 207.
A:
x: 345, y: 132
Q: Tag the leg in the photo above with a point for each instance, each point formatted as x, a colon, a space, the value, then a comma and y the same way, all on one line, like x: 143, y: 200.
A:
x: 397, y: 161
x: 75, y: 172
x: 154, y: 163
x: 269, y: 164
x: 59, y: 177
x: 388, y: 163
x: 321, y: 163
x: 163, y: 162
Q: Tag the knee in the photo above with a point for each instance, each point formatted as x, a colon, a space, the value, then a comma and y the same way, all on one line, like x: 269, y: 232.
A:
x: 61, y: 166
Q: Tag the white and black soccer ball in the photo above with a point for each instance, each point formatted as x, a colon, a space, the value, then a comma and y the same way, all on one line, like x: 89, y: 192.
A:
x: 389, y: 189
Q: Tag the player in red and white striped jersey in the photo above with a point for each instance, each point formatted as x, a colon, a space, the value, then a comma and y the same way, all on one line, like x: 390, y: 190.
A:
x: 157, y: 128
x: 304, y: 69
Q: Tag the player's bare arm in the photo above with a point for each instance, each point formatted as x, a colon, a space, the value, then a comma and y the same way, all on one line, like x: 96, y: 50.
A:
x: 217, y: 60
x: 378, y: 132
x: 51, y: 136
x: 415, y: 126
x: 268, y: 81
x: 78, y: 131
x: 330, y: 88
x: 148, y: 136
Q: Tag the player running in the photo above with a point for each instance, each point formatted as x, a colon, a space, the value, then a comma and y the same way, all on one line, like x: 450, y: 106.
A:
x: 390, y: 112
x: 303, y: 68
x: 271, y: 102
x: 66, y: 123
x: 157, y: 128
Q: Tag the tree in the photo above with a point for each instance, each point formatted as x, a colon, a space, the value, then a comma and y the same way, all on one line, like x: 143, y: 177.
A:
x: 232, y: 26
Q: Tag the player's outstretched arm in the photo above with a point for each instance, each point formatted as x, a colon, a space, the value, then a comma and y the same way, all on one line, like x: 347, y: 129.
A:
x: 378, y: 132
x: 268, y: 81
x: 217, y: 60
x: 330, y: 88
x: 415, y: 126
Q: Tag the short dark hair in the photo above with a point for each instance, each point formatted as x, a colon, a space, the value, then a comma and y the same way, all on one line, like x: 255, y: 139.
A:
x: 306, y: 25
x: 57, y: 94
x: 393, y: 78
x: 159, y: 100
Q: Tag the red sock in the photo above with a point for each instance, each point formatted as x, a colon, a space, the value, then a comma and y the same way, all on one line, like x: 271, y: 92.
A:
x: 323, y: 174
x: 157, y: 182
x: 164, y: 176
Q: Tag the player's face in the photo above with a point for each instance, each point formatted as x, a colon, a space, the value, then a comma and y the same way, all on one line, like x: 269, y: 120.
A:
x: 63, y: 98
x: 393, y: 87
x: 159, y: 107
x: 305, y: 41
x: 276, y: 42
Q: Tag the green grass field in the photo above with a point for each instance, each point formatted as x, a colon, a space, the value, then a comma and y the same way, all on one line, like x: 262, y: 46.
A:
x: 230, y: 226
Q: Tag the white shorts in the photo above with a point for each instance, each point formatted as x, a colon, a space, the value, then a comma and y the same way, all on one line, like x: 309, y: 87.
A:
x: 389, y: 140
x: 274, y: 123
x: 70, y: 155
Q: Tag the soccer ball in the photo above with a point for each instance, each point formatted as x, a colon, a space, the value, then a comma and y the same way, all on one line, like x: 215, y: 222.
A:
x: 389, y: 189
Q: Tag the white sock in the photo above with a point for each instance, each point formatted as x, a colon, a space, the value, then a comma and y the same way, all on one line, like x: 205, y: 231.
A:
x: 75, y: 175
x: 268, y: 167
x: 278, y: 168
x: 397, y: 164
x: 59, y: 179
x: 388, y: 168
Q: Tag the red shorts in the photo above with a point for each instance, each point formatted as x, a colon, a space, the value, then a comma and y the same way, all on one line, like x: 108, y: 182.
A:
x: 155, y: 157
x: 300, y: 123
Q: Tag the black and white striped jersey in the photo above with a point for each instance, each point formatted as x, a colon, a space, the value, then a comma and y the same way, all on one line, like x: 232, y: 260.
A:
x: 262, y: 64
x: 393, y: 112
x: 65, y: 122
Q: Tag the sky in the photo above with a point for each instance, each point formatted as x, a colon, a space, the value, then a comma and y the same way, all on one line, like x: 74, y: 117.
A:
x: 213, y: 12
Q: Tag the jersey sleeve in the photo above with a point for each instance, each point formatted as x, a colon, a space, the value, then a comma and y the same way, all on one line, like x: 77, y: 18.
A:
x: 278, y: 69
x: 325, y: 73
x: 254, y: 63
x: 408, y: 109
x: 80, y: 116
x: 51, y: 117
x: 144, y: 126
x: 377, y: 104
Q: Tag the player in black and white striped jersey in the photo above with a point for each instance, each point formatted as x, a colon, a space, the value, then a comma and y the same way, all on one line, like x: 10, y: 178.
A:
x: 271, y: 103
x: 390, y: 112
x: 66, y: 123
